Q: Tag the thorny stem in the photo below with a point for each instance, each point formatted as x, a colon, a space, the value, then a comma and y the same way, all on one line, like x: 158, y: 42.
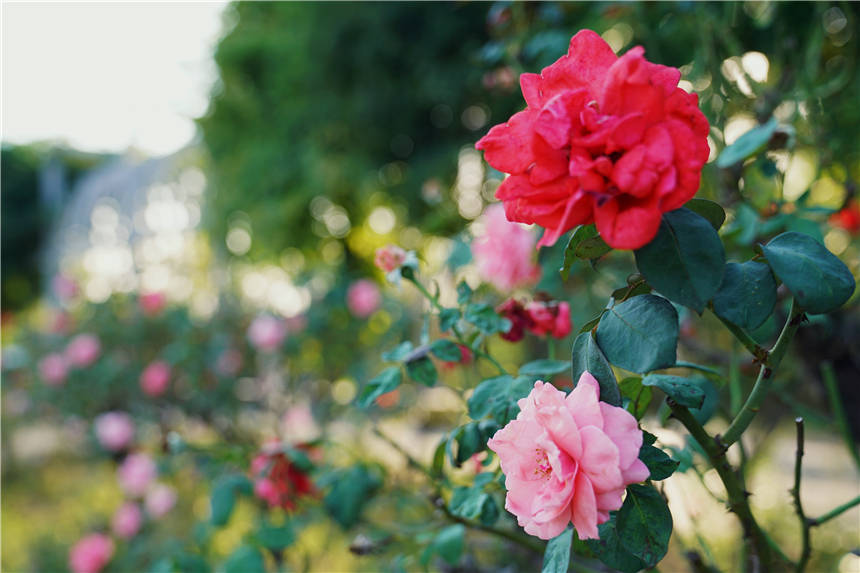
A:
x: 798, y: 506
x: 460, y: 338
x: 439, y: 502
x: 835, y: 512
x: 765, y: 378
x: 737, y: 502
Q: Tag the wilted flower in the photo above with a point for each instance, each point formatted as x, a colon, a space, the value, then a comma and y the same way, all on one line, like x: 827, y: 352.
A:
x: 83, y: 350
x: 549, y: 318
x: 514, y: 311
x: 568, y: 458
x: 266, y: 333
x: 53, y: 369
x: 504, y: 253
x: 127, y: 520
x: 136, y: 473
x: 363, y: 298
x: 91, y: 554
x: 114, y: 430
x: 155, y: 378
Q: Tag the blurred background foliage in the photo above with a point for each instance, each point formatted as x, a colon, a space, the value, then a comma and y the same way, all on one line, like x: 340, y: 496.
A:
x: 336, y: 128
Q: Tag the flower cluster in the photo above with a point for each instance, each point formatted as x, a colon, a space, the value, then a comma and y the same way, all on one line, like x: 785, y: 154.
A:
x: 278, y: 480
x: 603, y: 139
x: 540, y: 317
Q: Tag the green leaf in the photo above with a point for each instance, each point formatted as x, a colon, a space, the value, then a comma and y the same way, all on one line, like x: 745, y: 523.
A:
x: 684, y: 391
x: 464, y: 293
x: 351, y: 489
x: 639, y: 396
x: 640, y: 334
x: 223, y: 499
x: 471, y: 439
x: 448, y: 317
x: 587, y: 356
x: 386, y: 381
x: 486, y: 319
x: 446, y: 350
x: 448, y: 543
x: 556, y: 557
x: 610, y: 550
x: 398, y: 353
x: 710, y: 210
x: 711, y: 401
x: 543, y: 367
x: 658, y: 462
x: 473, y: 502
x: 747, y: 294
x: 629, y: 291
x: 816, y: 277
x: 747, y: 144
x: 439, y: 459
x: 275, y: 538
x: 685, y: 260
x: 644, y: 524
x: 245, y: 559
x: 498, y: 396
x: 590, y: 324
x: 422, y: 371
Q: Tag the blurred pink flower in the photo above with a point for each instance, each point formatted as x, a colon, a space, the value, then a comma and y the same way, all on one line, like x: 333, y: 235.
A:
x: 91, y: 554
x: 568, y: 458
x: 229, y: 362
x: 159, y: 500
x: 549, y: 318
x: 389, y: 257
x: 152, y: 303
x: 83, y: 350
x: 53, y: 369
x: 60, y: 322
x: 363, y: 298
x: 155, y: 378
x: 64, y: 287
x: 505, y: 252
x: 266, y: 333
x: 127, y: 520
x: 136, y: 473
x: 114, y: 430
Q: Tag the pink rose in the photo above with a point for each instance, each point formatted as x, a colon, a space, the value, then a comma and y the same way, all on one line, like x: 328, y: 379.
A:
x: 363, y: 298
x: 136, y: 473
x: 229, y: 362
x: 53, y: 369
x: 160, y: 500
x: 91, y: 554
x: 127, y: 520
x: 549, y: 318
x: 155, y: 378
x: 568, y: 458
x: 83, y: 350
x: 266, y: 333
x: 152, y: 303
x: 389, y: 258
x: 114, y: 430
x: 505, y: 253
x: 65, y: 288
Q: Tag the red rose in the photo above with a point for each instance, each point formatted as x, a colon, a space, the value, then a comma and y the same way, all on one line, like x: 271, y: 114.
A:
x: 848, y: 218
x: 549, y: 318
x: 603, y: 139
x: 278, y: 481
x: 514, y: 311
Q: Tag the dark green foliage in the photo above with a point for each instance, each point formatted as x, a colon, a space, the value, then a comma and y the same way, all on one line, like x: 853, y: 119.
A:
x: 747, y: 294
x: 640, y: 334
x: 556, y: 558
x: 587, y: 356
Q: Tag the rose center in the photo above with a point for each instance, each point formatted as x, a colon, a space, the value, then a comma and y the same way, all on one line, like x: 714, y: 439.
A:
x: 542, y: 467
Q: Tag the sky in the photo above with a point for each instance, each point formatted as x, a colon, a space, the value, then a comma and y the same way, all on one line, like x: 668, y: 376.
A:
x: 105, y: 77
